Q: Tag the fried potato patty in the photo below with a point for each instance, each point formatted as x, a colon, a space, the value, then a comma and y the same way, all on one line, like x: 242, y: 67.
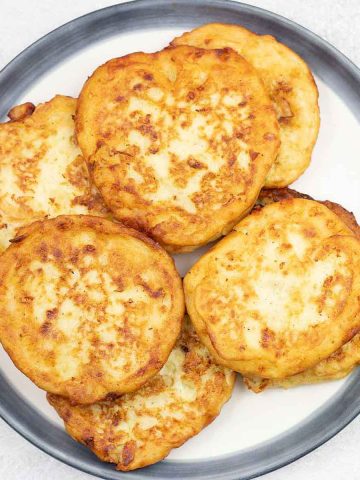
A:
x: 177, y: 145
x: 344, y: 360
x: 338, y: 365
x: 141, y: 428
x: 271, y: 195
x: 281, y: 292
x: 88, y: 307
x: 291, y: 87
x: 42, y: 172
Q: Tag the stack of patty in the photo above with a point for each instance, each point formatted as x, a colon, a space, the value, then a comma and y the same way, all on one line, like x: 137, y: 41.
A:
x: 278, y: 299
x: 163, y: 153
x: 92, y: 310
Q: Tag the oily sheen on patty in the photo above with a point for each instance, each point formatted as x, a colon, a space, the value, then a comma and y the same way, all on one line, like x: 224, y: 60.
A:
x: 88, y: 308
x: 42, y: 171
x: 346, y: 358
x: 178, y: 142
x: 142, y: 427
x: 289, y: 83
x: 280, y: 293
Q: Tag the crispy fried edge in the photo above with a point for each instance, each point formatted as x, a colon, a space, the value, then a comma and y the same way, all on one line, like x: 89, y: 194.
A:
x: 101, y: 225
x: 80, y: 425
x: 285, y: 194
x: 80, y: 122
x: 258, y: 384
x: 268, y: 184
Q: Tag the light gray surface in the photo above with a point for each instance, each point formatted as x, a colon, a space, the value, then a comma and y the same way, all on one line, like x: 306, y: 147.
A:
x: 23, y: 22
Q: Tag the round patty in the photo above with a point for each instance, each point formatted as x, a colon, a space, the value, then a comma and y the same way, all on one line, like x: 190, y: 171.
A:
x: 88, y: 308
x: 291, y: 87
x: 42, y: 172
x: 346, y: 358
x: 178, y: 146
x: 142, y: 428
x: 280, y: 293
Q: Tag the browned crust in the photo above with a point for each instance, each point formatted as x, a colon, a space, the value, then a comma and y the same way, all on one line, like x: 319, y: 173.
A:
x: 271, y: 195
x: 331, y: 368
x: 101, y: 225
x: 49, y: 241
x: 223, y: 197
x: 20, y: 112
x: 290, y: 84
x: 200, y: 294
x: 35, y: 141
x: 101, y: 427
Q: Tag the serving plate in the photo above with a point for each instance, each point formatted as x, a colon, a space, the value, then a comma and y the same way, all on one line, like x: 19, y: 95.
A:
x: 254, y: 434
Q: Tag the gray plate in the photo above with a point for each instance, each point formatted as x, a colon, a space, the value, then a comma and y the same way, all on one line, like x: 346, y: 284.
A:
x: 335, y: 70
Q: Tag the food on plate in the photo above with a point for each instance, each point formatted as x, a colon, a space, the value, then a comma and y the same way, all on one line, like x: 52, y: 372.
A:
x: 338, y: 365
x: 89, y: 309
x: 346, y: 358
x: 271, y: 195
x: 281, y: 292
x: 141, y: 428
x: 290, y: 84
x: 177, y: 146
x: 42, y: 172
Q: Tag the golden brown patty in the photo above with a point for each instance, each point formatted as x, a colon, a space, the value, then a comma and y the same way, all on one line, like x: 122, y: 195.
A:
x: 281, y: 292
x: 141, y: 428
x: 177, y: 145
x: 42, y: 172
x: 88, y: 307
x: 271, y: 195
x: 344, y: 360
x: 291, y: 87
x: 336, y: 366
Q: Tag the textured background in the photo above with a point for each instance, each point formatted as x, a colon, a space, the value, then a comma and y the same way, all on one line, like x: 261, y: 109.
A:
x: 24, y: 21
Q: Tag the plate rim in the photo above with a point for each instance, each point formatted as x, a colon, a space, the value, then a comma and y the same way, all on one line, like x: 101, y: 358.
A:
x: 36, y: 48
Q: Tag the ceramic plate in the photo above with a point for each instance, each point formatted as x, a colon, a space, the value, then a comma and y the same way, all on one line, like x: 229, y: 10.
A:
x: 254, y: 434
